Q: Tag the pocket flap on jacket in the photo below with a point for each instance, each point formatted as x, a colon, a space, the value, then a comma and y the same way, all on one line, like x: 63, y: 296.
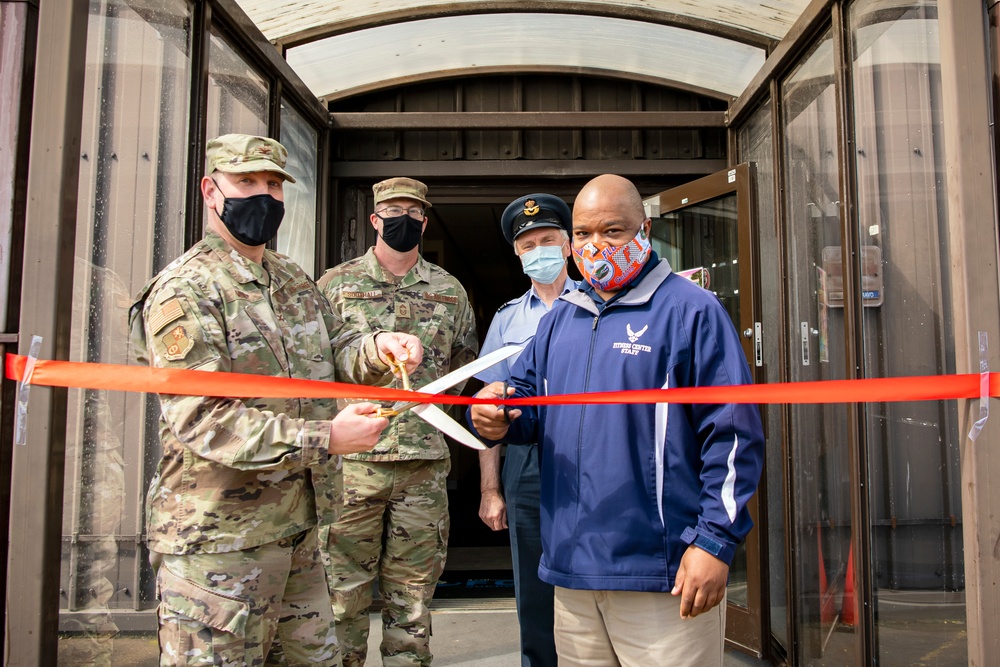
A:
x: 214, y: 609
x: 519, y: 335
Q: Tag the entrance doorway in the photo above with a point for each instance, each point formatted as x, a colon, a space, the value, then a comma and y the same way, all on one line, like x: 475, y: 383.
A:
x: 465, y: 239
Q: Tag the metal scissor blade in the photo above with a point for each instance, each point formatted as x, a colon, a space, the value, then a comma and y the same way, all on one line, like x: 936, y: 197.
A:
x: 438, y: 418
x: 464, y: 373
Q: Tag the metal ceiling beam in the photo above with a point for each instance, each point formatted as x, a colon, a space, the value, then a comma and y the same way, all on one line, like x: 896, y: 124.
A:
x: 479, y: 169
x: 506, y: 70
x: 256, y: 47
x: 815, y: 17
x: 528, y: 120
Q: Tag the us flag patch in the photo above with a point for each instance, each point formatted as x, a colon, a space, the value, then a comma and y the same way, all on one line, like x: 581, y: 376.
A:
x: 167, y: 312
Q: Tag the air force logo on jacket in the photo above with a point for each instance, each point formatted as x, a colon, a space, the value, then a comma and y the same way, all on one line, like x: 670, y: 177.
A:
x: 632, y: 347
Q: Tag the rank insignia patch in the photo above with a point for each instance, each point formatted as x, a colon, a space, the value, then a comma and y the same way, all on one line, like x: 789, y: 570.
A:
x: 177, y: 343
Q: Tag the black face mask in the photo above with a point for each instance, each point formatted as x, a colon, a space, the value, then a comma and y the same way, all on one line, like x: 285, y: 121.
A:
x: 401, y: 233
x: 252, y: 220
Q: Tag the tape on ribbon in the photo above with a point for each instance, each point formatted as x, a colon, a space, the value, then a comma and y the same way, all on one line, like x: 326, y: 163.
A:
x: 984, y: 387
x: 23, y: 391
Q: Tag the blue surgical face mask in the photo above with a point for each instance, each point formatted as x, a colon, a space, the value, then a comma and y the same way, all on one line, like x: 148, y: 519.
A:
x: 544, y: 263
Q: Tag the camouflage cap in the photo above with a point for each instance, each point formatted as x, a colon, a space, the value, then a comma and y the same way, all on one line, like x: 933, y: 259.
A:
x: 245, y: 153
x: 400, y: 188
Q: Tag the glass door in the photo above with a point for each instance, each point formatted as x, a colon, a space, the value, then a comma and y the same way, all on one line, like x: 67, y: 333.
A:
x: 704, y: 229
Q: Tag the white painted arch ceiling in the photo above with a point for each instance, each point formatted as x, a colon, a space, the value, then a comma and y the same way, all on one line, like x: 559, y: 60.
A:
x: 342, y: 47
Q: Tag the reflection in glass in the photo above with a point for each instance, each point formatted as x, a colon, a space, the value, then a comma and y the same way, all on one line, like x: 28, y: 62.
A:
x: 237, y: 95
x: 131, y: 205
x: 815, y: 332
x: 297, y: 234
x: 756, y: 145
x: 915, y: 498
x: 704, y: 236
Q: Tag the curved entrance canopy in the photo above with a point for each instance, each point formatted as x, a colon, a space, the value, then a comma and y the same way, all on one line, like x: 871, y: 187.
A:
x: 343, y: 47
x: 404, y: 52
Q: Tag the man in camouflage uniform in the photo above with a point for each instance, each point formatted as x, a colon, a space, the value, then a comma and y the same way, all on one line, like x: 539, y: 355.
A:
x: 233, y: 507
x: 395, y: 519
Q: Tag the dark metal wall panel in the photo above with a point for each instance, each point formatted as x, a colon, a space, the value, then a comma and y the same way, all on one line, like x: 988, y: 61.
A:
x: 609, y: 96
x: 531, y: 93
x: 371, y: 145
x: 545, y: 93
x: 440, y: 145
x: 492, y: 95
x: 665, y: 172
x: 670, y: 143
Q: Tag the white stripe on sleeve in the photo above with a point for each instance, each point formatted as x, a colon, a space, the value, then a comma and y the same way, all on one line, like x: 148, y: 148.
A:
x: 660, y: 445
x: 729, y: 486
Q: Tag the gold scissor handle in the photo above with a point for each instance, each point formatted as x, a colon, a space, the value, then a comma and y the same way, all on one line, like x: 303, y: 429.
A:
x: 400, y: 367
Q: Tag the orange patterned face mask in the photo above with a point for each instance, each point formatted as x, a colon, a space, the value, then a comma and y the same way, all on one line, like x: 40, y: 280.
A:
x: 610, y: 268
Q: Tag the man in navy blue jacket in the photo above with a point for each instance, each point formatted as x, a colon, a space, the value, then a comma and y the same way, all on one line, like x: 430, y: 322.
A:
x: 643, y: 505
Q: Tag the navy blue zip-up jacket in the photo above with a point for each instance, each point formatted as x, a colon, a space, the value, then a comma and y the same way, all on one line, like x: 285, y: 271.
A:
x: 626, y: 488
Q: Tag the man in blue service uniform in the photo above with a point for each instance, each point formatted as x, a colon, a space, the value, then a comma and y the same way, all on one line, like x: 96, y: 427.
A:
x: 642, y: 506
x: 538, y: 227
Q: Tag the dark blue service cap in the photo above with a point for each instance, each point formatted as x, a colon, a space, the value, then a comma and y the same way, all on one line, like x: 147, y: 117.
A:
x: 534, y: 212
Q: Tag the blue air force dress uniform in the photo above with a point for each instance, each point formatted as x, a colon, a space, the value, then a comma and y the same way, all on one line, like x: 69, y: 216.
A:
x: 515, y: 324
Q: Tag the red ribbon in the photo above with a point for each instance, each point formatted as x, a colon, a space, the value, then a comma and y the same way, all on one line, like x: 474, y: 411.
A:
x: 114, y: 377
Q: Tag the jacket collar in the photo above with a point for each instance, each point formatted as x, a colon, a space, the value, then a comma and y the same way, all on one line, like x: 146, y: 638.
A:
x: 640, y: 293
x: 271, y: 272
x: 568, y: 286
x: 420, y: 272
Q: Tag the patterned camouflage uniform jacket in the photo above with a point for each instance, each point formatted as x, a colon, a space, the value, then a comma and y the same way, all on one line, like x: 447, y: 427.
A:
x: 428, y: 303
x: 238, y: 473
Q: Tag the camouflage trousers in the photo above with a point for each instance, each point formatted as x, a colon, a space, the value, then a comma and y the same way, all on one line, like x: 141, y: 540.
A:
x: 227, y: 608
x: 394, y: 526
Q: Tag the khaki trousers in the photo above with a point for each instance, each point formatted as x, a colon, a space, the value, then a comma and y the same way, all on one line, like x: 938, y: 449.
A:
x: 634, y: 629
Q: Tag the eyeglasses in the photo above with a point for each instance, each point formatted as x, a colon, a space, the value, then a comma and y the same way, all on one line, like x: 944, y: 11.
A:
x: 395, y: 211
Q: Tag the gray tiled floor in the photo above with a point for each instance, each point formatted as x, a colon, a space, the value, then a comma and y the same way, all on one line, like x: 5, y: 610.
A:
x: 484, y: 633
x: 467, y: 633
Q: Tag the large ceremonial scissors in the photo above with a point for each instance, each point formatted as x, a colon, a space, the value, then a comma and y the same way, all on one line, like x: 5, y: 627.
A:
x: 434, y: 415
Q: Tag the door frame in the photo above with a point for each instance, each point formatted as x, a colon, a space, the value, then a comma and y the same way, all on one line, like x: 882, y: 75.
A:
x: 747, y: 629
